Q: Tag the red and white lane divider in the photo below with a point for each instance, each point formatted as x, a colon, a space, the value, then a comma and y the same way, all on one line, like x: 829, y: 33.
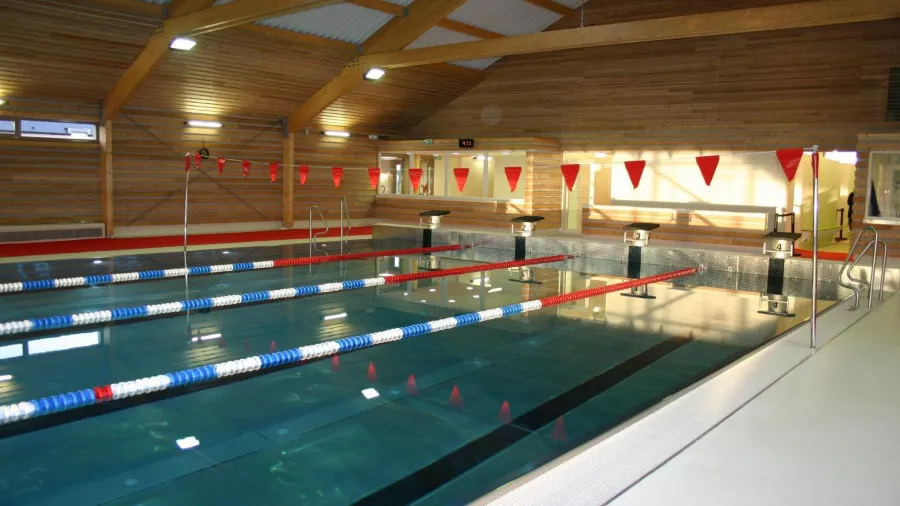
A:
x: 130, y: 313
x: 81, y: 398
x: 202, y: 270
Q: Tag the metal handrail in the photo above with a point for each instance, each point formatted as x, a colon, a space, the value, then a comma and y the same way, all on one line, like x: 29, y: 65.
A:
x: 848, y: 269
x: 312, y: 238
x: 345, y: 237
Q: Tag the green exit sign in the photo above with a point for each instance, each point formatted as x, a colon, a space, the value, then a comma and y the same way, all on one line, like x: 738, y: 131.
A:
x: 429, y: 142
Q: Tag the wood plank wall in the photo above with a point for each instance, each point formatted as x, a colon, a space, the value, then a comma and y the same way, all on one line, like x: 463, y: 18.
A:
x: 544, y: 185
x: 149, y: 150
x: 321, y: 154
x: 755, y: 91
x: 49, y: 181
x: 890, y: 234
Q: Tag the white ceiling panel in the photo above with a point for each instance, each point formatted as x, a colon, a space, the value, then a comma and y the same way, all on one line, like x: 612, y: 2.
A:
x: 509, y: 17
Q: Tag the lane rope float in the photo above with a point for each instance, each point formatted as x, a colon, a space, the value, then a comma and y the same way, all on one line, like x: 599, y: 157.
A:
x: 20, y: 411
x: 203, y: 270
x: 175, y: 307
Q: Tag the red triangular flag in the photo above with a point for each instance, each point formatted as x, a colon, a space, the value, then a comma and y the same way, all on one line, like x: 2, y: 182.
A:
x: 504, y: 414
x: 455, y: 399
x: 304, y: 171
x: 559, y: 430
x: 635, y: 171
x: 336, y: 174
x: 197, y: 158
x: 815, y: 164
x: 187, y: 162
x: 221, y: 162
x: 461, y: 176
x: 273, y: 172
x: 415, y: 177
x: 411, y: 387
x: 336, y: 363
x: 245, y: 166
x: 370, y: 375
x: 570, y: 173
x: 708, y: 166
x: 790, y: 160
x: 374, y: 174
x: 512, y: 176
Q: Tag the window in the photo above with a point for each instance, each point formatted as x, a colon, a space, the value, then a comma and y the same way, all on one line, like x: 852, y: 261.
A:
x: 883, y: 200
x: 481, y: 174
x: 58, y: 130
x: 7, y: 127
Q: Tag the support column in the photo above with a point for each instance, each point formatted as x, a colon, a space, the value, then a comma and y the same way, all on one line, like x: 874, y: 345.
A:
x: 287, y: 181
x: 106, y: 178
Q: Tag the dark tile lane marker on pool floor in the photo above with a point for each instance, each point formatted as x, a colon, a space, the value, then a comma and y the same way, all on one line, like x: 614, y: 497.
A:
x: 428, y: 479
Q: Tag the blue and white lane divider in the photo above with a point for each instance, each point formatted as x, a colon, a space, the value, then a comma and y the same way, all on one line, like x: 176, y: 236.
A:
x: 202, y: 270
x: 134, y: 312
x: 20, y: 411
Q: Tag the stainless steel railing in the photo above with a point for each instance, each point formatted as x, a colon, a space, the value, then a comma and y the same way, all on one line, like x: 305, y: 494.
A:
x: 312, y: 238
x: 847, y: 267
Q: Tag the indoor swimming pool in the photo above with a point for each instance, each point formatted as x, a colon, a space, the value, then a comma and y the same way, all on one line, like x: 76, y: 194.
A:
x: 436, y: 419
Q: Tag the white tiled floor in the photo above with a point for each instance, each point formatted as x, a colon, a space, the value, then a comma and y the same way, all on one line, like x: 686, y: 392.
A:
x: 828, y: 433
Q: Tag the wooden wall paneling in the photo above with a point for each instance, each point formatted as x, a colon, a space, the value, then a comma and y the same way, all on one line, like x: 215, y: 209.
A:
x: 225, y: 75
x: 149, y: 176
x: 70, y: 52
x: 399, y: 100
x: 890, y: 234
x: 462, y: 212
x: 48, y: 182
x: 322, y: 153
x: 755, y: 91
x: 544, y: 187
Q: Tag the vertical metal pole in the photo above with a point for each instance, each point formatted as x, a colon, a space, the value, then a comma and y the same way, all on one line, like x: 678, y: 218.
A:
x: 342, y: 225
x: 310, y: 236
x: 187, y: 181
x: 815, y: 249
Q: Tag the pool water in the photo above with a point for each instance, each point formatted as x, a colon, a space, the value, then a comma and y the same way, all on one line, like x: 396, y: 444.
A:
x: 457, y: 413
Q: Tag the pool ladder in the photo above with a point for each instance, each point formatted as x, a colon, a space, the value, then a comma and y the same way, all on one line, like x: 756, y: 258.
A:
x: 848, y: 269
x: 345, y: 236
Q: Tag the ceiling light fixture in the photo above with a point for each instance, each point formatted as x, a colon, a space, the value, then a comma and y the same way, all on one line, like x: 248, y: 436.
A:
x: 203, y: 124
x: 182, y: 44
x: 335, y: 133
x: 374, y: 74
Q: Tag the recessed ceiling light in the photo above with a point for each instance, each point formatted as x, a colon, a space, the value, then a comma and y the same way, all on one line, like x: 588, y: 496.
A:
x: 2, y: 101
x: 182, y: 44
x: 476, y: 296
x: 203, y: 124
x: 335, y: 133
x: 451, y: 301
x: 432, y: 290
x: 374, y: 74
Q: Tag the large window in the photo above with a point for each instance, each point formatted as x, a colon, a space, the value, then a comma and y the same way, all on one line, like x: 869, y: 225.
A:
x: 468, y: 174
x: 7, y: 127
x: 883, y: 194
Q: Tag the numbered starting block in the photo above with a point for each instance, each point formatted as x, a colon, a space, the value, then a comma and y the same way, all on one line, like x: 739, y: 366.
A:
x: 522, y: 228
x: 775, y: 305
x: 779, y: 244
x: 638, y: 234
x: 523, y: 274
x: 430, y: 221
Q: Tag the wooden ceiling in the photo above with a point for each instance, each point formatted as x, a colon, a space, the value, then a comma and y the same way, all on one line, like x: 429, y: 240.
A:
x: 53, y: 50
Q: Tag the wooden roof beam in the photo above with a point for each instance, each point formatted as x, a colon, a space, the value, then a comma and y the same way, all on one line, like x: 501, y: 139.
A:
x: 552, y: 6
x: 759, y: 19
x: 395, y: 35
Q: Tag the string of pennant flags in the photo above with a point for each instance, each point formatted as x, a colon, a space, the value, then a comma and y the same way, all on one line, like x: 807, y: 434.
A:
x: 789, y: 159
